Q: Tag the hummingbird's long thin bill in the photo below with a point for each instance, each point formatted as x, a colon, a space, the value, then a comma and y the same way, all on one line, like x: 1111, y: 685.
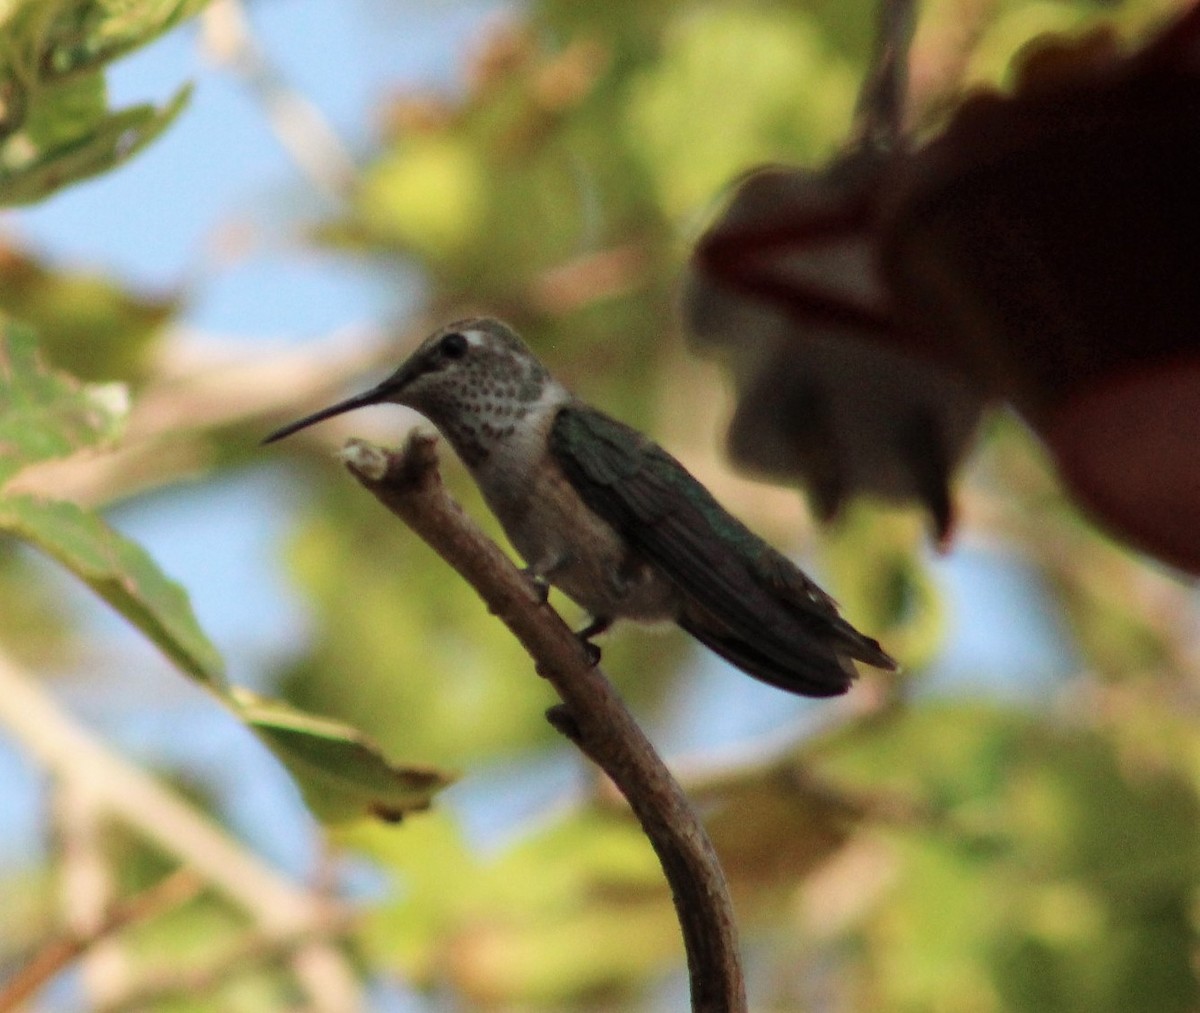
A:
x: 373, y: 396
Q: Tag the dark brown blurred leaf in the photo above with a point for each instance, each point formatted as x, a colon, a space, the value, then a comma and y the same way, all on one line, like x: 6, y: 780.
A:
x: 1040, y: 246
x: 786, y: 285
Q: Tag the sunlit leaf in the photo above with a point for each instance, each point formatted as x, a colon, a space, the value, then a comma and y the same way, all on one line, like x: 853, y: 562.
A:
x: 341, y: 772
x: 44, y: 414
x: 120, y: 572
x: 106, y: 144
x: 1086, y: 864
x: 735, y: 88
x: 426, y: 195
x: 86, y: 321
x: 55, y: 124
x: 88, y: 33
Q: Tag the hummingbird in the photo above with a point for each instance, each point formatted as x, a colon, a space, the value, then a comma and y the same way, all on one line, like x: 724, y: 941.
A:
x: 603, y: 513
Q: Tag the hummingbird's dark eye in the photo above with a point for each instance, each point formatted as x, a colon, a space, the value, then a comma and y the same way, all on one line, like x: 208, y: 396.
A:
x: 453, y: 346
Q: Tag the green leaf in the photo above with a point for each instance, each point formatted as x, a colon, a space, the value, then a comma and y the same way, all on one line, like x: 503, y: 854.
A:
x: 734, y: 88
x: 121, y: 573
x: 64, y: 111
x: 578, y: 907
x: 86, y: 322
x: 90, y: 33
x: 108, y: 143
x: 1083, y: 855
x: 55, y: 124
x: 44, y: 414
x: 428, y: 196
x: 342, y: 773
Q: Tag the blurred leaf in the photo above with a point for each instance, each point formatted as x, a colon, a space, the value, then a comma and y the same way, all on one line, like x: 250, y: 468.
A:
x: 771, y: 831
x: 736, y: 87
x: 1086, y: 864
x: 341, y: 772
x: 86, y: 323
x: 107, y: 143
x: 426, y: 195
x: 27, y: 896
x: 418, y: 640
x: 46, y: 415
x: 121, y: 573
x: 60, y: 113
x: 579, y: 909
x: 43, y: 414
x: 876, y: 573
x: 88, y: 33
x: 55, y: 124
x: 41, y: 627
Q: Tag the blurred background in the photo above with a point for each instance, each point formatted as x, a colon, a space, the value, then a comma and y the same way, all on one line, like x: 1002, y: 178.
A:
x: 1011, y: 824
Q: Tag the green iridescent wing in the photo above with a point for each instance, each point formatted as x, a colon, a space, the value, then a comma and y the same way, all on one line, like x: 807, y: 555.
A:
x: 745, y: 601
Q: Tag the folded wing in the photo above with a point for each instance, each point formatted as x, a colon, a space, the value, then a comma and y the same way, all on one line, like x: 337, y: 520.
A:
x: 744, y: 600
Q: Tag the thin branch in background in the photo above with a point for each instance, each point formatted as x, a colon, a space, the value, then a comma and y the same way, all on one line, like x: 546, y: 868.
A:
x: 941, y: 56
x: 86, y: 888
x: 198, y: 390
x: 879, y: 114
x: 122, y: 791
x: 57, y: 954
x: 592, y: 714
x: 297, y: 122
x: 252, y: 952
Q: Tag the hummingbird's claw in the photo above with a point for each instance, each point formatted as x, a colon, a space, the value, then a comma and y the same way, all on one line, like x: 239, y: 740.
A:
x: 541, y: 586
x: 593, y: 629
x: 591, y: 650
x: 598, y: 625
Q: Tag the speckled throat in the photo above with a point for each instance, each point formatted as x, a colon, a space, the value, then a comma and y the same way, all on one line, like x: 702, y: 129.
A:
x: 484, y: 405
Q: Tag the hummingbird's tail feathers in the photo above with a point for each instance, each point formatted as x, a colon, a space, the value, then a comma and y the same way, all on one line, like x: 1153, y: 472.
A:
x: 793, y: 590
x: 866, y: 649
x: 846, y: 640
x: 808, y: 673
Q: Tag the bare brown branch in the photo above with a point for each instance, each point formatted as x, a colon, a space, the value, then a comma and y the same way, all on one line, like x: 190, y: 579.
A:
x: 297, y: 121
x: 56, y: 954
x: 252, y: 952
x: 592, y: 715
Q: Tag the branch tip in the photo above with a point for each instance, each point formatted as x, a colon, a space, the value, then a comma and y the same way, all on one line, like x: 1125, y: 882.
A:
x: 364, y: 459
x: 398, y: 471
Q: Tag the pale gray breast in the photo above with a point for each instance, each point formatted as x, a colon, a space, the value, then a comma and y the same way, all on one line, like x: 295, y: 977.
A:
x: 549, y: 524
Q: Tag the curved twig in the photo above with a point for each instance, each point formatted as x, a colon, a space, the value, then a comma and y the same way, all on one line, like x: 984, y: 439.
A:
x: 592, y: 715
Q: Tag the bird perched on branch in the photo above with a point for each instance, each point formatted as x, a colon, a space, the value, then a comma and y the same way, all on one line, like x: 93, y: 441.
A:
x: 603, y: 513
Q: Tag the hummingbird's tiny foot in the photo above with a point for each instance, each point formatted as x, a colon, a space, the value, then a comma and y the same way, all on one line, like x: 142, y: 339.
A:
x: 593, y: 629
x: 541, y: 586
x: 591, y: 650
x: 598, y: 625
x: 563, y: 722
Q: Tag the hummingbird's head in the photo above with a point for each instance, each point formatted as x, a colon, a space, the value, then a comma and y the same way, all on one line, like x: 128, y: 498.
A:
x: 474, y: 379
